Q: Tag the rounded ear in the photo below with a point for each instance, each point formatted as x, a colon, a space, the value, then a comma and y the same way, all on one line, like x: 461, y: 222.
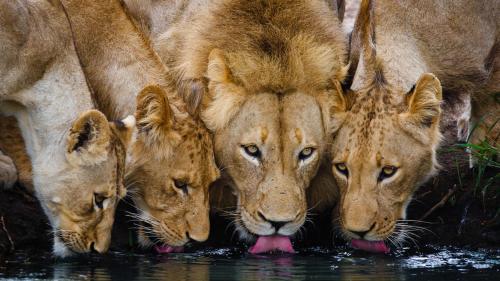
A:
x: 123, y: 129
x: 89, y: 139
x: 424, y: 101
x: 334, y: 106
x: 153, y: 113
x: 155, y: 120
x: 217, y: 69
x: 223, y: 98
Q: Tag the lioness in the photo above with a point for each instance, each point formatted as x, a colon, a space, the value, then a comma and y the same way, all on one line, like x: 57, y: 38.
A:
x: 387, y: 126
x: 171, y: 162
x: 262, y: 73
x: 77, y: 156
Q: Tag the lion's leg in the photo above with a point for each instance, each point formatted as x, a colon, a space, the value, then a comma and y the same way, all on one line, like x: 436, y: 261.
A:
x: 486, y: 106
x: 8, y: 171
x: 13, y: 155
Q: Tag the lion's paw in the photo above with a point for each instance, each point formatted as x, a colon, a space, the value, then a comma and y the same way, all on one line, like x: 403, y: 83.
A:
x: 8, y: 172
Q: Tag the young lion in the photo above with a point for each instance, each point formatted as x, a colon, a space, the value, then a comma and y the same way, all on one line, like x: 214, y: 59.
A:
x: 387, y: 128
x: 262, y: 72
x: 77, y: 156
x: 171, y: 163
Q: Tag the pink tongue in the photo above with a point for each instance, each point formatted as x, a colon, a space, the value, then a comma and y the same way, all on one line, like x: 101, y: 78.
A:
x: 168, y: 249
x: 370, y: 246
x: 266, y: 244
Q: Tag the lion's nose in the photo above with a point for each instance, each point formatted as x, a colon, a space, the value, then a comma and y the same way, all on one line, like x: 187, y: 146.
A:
x: 362, y: 233
x: 197, y: 238
x: 276, y: 224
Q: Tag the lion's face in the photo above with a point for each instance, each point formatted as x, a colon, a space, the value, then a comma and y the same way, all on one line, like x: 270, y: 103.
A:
x: 82, y: 197
x: 382, y: 151
x: 270, y: 145
x: 271, y: 152
x: 170, y: 170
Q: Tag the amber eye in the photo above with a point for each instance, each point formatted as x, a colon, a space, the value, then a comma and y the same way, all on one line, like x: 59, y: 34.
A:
x: 341, y: 167
x: 306, y: 153
x: 252, y: 150
x: 99, y: 200
x: 182, y: 185
x: 387, y: 172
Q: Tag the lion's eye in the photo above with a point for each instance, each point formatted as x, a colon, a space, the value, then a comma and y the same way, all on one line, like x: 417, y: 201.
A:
x: 99, y: 200
x: 387, y: 172
x: 252, y: 150
x: 182, y: 185
x: 342, y: 168
x: 306, y: 153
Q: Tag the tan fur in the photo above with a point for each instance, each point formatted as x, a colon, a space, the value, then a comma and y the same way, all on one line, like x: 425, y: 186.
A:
x: 384, y: 122
x: 258, y: 68
x: 12, y: 145
x: 76, y: 154
x: 168, y: 144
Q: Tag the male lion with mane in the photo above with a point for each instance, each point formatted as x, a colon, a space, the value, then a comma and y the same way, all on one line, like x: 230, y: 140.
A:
x: 262, y: 74
x: 387, y: 127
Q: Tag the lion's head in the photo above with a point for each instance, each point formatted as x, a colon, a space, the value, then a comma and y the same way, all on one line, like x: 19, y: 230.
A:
x: 170, y: 168
x: 270, y: 141
x: 384, y: 147
x: 260, y: 70
x: 83, y: 195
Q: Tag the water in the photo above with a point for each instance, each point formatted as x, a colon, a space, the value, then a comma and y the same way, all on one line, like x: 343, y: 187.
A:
x: 430, y: 263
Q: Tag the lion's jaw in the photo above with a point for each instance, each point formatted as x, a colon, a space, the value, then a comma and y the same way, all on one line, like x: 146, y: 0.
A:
x: 270, y: 185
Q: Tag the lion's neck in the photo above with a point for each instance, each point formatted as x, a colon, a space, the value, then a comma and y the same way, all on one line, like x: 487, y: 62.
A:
x: 118, y: 62
x: 48, y: 109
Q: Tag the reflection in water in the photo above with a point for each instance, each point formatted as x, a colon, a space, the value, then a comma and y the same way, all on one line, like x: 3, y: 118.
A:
x: 231, y: 264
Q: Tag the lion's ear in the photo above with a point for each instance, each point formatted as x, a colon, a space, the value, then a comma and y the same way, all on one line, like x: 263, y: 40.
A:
x: 424, y: 101
x: 89, y: 139
x: 223, y: 97
x: 153, y: 112
x: 335, y: 107
x: 217, y: 69
x: 123, y: 129
x: 154, y: 118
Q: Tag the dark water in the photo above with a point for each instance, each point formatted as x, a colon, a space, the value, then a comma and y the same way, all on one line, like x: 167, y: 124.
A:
x: 429, y: 263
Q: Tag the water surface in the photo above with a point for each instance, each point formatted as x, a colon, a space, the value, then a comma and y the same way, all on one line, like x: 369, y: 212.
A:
x: 429, y: 263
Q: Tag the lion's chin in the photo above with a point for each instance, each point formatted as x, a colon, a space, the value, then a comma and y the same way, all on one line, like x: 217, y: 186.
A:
x: 370, y: 246
x: 60, y: 250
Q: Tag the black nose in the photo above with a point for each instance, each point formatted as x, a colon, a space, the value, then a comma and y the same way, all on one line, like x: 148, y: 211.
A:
x: 361, y: 234
x: 276, y: 224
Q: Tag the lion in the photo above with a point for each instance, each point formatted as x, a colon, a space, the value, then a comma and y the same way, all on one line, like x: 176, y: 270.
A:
x: 76, y: 154
x: 170, y: 161
x: 170, y: 164
x: 260, y: 74
x: 386, y: 127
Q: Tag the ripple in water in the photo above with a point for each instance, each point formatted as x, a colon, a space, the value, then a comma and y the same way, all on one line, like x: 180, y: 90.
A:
x: 430, y: 263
